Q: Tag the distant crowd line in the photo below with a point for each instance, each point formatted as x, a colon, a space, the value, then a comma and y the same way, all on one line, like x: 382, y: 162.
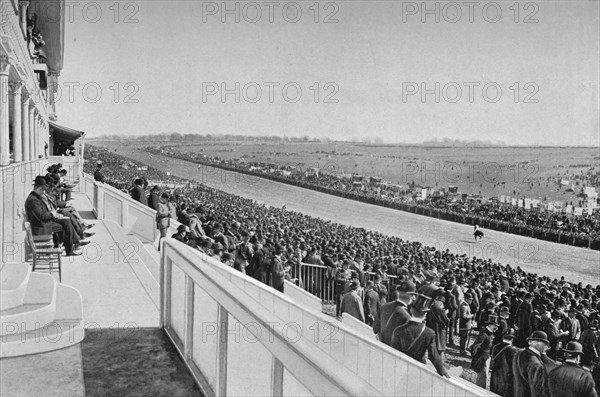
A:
x: 581, y: 231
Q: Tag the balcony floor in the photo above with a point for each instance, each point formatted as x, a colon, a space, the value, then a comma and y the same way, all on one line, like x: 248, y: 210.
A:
x: 112, y: 294
x: 120, y: 318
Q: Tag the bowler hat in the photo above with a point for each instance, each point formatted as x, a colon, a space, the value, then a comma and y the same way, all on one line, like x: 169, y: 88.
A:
x: 539, y: 336
x: 509, y: 333
x: 422, y: 303
x: 40, y: 181
x: 181, y: 228
x: 573, y: 348
x: 407, y: 287
x: 354, y: 284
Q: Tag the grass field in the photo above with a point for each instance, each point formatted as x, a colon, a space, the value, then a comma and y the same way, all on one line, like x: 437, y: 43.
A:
x: 512, y: 171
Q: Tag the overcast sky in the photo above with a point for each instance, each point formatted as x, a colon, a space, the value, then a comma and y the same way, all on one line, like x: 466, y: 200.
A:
x: 525, y: 74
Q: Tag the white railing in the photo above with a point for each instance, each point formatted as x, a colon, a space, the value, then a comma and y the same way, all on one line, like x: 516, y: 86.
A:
x: 236, y: 347
x: 240, y: 337
x: 115, y: 205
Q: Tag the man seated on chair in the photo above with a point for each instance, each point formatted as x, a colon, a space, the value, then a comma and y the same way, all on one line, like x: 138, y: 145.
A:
x: 44, y: 221
x: 64, y: 208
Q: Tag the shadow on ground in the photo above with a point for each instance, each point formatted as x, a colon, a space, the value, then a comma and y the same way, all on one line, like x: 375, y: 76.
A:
x: 136, y: 362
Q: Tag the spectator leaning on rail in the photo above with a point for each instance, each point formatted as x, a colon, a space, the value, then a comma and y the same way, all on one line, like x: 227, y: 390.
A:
x: 138, y: 193
x: 98, y: 176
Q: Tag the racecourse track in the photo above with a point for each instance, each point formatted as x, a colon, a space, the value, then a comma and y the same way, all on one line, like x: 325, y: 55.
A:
x: 542, y: 257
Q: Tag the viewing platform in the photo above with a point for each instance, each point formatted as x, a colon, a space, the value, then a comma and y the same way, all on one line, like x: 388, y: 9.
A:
x: 181, y: 323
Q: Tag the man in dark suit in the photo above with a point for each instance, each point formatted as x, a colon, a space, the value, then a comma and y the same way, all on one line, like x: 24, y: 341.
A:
x: 570, y: 380
x: 415, y: 339
x: 502, y: 355
x: 529, y: 372
x: 138, y: 193
x: 465, y: 322
x: 43, y: 221
x: 372, y: 307
x: 396, y: 313
x: 154, y: 199
x: 352, y: 303
x: 523, y: 326
x: 277, y: 271
x: 438, y: 321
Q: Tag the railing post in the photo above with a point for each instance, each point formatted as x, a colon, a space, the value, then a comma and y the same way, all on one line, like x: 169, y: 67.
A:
x: 100, y: 200
x: 222, y: 327
x: 188, y: 310
x: 165, y: 292
x: 277, y: 378
x: 124, y: 215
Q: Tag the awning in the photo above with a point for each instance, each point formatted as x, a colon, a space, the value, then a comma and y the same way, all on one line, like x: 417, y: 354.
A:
x: 64, y: 134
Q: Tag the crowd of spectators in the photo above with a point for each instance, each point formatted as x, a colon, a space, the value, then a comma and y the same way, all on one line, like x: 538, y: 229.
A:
x: 579, y: 230
x: 387, y: 282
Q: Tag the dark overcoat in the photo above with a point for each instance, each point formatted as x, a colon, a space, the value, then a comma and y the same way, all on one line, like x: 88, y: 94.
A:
x: 501, y: 365
x: 570, y: 380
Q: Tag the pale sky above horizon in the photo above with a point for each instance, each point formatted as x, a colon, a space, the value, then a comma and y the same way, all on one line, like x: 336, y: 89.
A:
x: 360, y: 76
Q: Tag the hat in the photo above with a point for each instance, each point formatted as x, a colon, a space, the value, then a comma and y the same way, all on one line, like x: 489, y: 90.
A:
x: 492, y: 319
x: 594, y: 324
x: 573, y: 348
x: 227, y: 256
x: 354, y: 284
x: 509, y: 334
x: 99, y: 162
x: 39, y: 181
x: 50, y: 180
x: 422, y: 303
x: 539, y: 336
x: 468, y: 295
x: 406, y: 287
x: 181, y: 228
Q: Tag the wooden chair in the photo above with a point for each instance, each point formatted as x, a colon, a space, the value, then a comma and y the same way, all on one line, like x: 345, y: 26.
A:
x: 44, y: 255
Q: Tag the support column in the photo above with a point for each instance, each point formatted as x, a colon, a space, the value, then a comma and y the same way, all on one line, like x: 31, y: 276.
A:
x: 4, y: 141
x: 17, y: 130
x: 25, y: 127
x: 23, y: 6
x: 32, y: 155
x: 44, y: 138
x: 40, y: 147
x: 36, y: 141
